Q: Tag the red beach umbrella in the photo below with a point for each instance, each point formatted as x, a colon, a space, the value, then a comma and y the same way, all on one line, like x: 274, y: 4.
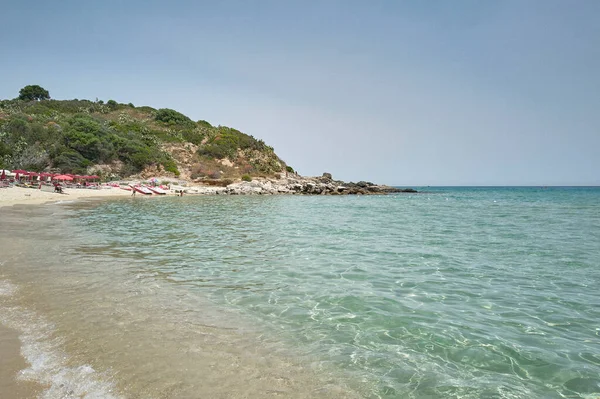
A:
x: 3, y: 175
x: 32, y: 175
x: 19, y: 171
x: 62, y: 177
x: 44, y: 175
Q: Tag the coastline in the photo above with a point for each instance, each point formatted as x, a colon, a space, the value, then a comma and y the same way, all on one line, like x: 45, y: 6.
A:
x: 11, y: 363
x: 297, y: 185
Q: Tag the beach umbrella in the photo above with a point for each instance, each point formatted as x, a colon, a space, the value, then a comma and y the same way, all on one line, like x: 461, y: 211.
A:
x: 7, y: 173
x: 19, y: 171
x: 62, y: 177
x: 45, y: 175
x: 3, y: 175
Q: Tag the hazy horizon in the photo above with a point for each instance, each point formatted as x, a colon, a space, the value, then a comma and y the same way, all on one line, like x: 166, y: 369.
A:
x: 404, y: 93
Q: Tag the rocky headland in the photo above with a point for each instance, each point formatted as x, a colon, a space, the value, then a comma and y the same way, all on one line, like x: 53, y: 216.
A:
x: 296, y: 185
x: 123, y: 143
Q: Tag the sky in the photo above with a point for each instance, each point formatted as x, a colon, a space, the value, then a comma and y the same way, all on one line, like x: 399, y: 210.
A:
x: 409, y: 93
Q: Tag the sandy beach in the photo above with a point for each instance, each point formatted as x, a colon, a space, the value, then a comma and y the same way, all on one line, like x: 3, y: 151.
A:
x: 23, y: 196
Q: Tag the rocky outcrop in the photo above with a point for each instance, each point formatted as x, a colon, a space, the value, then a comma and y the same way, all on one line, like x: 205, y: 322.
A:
x: 298, y: 185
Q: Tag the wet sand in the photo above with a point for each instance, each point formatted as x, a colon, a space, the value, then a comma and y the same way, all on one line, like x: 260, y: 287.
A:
x: 11, y: 362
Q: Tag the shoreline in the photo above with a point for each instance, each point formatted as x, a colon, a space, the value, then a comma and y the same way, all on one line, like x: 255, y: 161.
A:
x: 261, y: 186
x: 307, y: 186
x: 12, y: 363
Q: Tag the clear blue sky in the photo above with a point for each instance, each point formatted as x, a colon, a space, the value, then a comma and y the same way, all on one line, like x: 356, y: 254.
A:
x: 399, y: 92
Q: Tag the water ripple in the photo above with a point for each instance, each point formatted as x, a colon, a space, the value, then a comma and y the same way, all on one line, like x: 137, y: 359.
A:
x: 459, y: 293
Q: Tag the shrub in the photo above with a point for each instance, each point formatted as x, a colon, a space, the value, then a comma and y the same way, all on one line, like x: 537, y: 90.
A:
x: 170, y: 116
x: 170, y: 166
x: 70, y: 161
x: 131, y: 105
x: 112, y: 103
x: 145, y: 108
x: 192, y: 136
x: 289, y: 169
x: 246, y: 178
x: 226, y: 143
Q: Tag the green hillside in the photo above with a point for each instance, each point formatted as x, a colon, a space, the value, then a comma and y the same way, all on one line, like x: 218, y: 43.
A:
x: 119, y: 140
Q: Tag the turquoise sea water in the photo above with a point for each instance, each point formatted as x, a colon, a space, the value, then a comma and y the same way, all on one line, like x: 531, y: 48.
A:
x: 449, y: 293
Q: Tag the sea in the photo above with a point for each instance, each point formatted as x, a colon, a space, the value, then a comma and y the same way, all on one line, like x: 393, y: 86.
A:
x: 452, y: 292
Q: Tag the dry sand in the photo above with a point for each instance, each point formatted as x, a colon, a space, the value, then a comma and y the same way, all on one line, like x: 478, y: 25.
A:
x: 21, y: 196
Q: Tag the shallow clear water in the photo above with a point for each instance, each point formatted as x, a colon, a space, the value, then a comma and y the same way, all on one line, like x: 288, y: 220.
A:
x: 454, y: 293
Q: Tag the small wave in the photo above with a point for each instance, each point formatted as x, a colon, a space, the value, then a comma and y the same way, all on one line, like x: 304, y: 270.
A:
x: 63, y: 202
x: 7, y: 289
x: 48, y: 364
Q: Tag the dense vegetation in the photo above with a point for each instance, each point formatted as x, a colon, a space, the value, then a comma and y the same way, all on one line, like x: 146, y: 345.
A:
x: 76, y: 136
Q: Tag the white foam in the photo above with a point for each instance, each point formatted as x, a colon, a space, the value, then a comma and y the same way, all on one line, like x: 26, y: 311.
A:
x: 63, y: 202
x: 48, y: 364
x: 7, y: 289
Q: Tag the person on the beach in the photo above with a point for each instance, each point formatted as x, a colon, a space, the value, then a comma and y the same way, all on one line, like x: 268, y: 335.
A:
x: 132, y: 192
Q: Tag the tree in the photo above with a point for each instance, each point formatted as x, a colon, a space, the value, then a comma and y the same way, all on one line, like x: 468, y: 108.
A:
x: 33, y: 92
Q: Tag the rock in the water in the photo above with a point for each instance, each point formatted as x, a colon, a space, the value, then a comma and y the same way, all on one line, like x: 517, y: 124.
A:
x: 323, y: 185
